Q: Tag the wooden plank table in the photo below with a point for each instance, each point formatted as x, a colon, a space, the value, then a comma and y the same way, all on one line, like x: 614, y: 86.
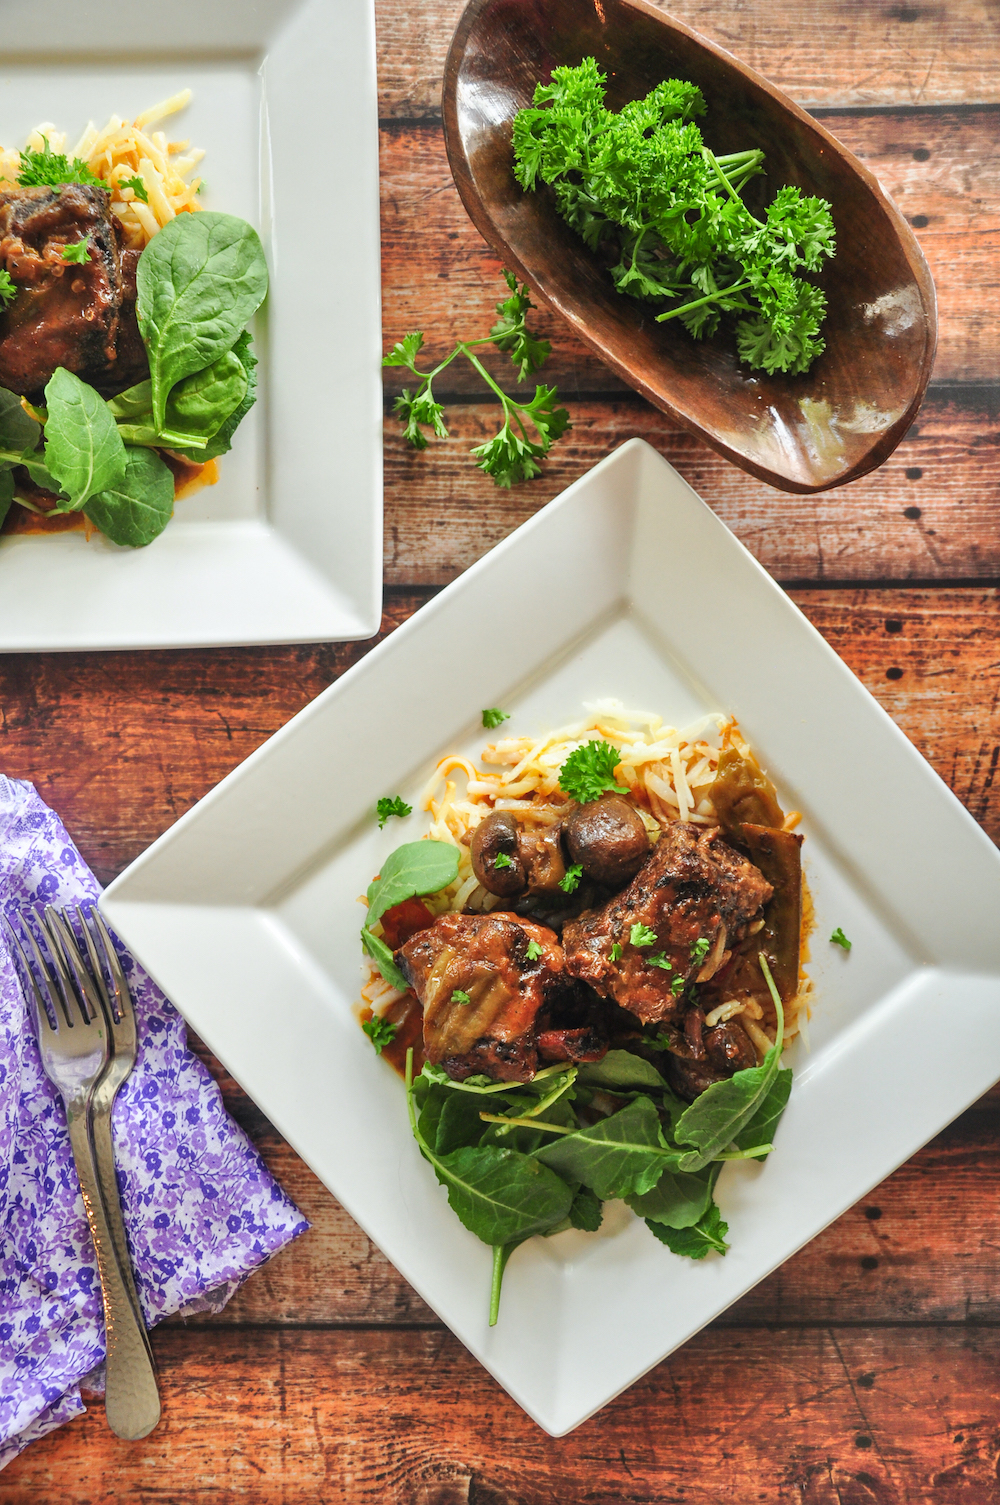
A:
x: 867, y: 1369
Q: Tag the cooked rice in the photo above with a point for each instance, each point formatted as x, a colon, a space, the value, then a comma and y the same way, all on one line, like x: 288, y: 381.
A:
x: 669, y: 772
x: 122, y: 150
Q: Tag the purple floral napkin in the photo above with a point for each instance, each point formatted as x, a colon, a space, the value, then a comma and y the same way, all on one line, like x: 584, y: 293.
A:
x: 201, y: 1209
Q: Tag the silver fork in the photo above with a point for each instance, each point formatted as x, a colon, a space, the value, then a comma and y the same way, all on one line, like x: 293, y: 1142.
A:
x: 75, y: 1033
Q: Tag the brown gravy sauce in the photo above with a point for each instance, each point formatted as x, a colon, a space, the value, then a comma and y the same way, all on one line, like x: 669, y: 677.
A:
x: 188, y: 477
x: 409, y: 1016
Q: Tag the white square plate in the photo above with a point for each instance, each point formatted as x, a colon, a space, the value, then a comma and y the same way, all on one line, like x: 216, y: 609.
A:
x: 626, y: 585
x: 287, y: 547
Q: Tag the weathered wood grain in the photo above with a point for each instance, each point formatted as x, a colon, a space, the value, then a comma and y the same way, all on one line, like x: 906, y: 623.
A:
x: 121, y: 744
x: 834, y: 53
x: 932, y: 512
x: 941, y: 167
x: 921, y: 1248
x: 788, y: 1417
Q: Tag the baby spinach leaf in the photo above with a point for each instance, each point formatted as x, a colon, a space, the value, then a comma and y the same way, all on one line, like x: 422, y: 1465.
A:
x: 381, y: 955
x: 501, y: 1195
x: 706, y: 1237
x: 199, y: 281
x: 412, y: 870
x: 222, y: 439
x: 678, y: 1199
x: 203, y: 411
x: 136, y: 509
x: 418, y: 868
x: 760, y: 1129
x: 200, y: 404
x: 586, y: 1211
x: 501, y: 1254
x: 620, y: 1068
x: 17, y: 430
x: 458, y: 1123
x: 83, y: 449
x: 623, y: 1155
x: 6, y: 493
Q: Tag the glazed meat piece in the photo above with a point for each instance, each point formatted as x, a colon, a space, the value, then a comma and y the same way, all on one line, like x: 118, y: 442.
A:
x: 66, y: 313
x: 726, y: 1050
x: 574, y: 1026
x: 482, y: 958
x: 693, y: 888
x: 131, y: 363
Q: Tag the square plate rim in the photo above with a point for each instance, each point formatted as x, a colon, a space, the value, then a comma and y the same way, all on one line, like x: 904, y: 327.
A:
x: 342, y: 609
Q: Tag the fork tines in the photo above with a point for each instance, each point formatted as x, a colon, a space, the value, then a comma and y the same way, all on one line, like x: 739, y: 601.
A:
x: 78, y: 982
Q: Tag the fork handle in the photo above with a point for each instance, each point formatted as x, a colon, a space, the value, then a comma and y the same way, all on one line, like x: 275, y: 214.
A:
x: 104, y: 1154
x: 132, y: 1401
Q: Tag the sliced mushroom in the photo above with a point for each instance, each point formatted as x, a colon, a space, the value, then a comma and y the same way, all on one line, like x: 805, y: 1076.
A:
x: 497, y: 837
x: 608, y: 839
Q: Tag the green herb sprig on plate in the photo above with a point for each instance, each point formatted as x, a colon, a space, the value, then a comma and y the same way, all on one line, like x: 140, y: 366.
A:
x: 512, y: 455
x: 589, y: 772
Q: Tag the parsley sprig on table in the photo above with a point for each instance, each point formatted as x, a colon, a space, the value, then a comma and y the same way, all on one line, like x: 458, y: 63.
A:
x: 512, y: 455
x: 641, y: 186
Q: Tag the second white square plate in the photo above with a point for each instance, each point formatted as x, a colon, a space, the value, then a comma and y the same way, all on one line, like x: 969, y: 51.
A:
x: 287, y: 547
x: 627, y: 585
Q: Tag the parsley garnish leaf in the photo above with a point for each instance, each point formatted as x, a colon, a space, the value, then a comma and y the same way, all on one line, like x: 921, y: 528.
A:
x: 641, y: 935
x: 570, y: 882
x: 459, y: 997
x: 700, y: 949
x: 494, y: 716
x: 380, y: 1032
x: 838, y: 938
x: 615, y: 952
x: 502, y: 860
x: 534, y: 951
x: 49, y: 169
x: 76, y: 250
x: 589, y: 771
x: 388, y: 806
x: 510, y: 334
x: 137, y: 186
x: 659, y: 960
x: 8, y: 291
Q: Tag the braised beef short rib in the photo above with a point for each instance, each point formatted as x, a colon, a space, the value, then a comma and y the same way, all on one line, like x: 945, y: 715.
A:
x: 79, y: 315
x: 694, y: 887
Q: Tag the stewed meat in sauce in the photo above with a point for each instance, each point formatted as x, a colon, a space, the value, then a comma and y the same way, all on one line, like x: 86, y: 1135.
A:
x: 481, y: 992
x: 693, y: 888
x: 75, y: 314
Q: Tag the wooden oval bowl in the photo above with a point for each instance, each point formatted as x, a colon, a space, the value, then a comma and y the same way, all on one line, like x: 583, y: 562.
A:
x: 800, y: 433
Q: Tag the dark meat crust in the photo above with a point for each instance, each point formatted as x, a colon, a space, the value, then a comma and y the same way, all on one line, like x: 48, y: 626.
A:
x: 131, y: 364
x: 66, y: 313
x: 485, y: 957
x: 727, y: 1049
x: 694, y: 886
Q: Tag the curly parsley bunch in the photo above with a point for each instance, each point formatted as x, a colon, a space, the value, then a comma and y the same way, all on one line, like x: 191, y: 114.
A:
x: 642, y: 186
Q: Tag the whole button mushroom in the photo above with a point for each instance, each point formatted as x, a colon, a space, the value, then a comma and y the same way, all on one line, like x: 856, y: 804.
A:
x: 494, y: 837
x: 608, y: 839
